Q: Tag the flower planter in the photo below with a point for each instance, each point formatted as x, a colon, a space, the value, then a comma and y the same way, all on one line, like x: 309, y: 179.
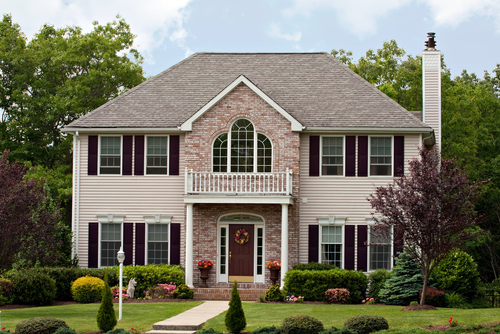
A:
x: 204, y: 274
x: 275, y: 275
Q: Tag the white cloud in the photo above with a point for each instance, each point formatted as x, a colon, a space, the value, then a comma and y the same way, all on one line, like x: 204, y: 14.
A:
x: 275, y: 31
x: 152, y: 21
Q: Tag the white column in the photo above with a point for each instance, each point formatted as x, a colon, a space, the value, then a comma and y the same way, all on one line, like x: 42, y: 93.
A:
x: 189, y: 246
x: 284, y: 242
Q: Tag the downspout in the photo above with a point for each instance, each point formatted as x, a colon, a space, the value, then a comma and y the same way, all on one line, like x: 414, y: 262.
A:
x: 73, y: 205
x: 77, y: 193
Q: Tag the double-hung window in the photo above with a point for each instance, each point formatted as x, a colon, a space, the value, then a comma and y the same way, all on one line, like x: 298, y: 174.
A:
x: 379, y: 251
x: 110, y: 155
x: 158, y: 238
x: 156, y: 155
x: 111, y: 240
x: 332, y: 156
x: 331, y: 230
x: 381, y: 156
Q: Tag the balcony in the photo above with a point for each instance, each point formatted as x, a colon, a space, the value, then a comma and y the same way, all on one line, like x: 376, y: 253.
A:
x: 238, y: 184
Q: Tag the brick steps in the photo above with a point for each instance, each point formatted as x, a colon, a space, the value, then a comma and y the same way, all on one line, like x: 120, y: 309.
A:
x: 225, y: 294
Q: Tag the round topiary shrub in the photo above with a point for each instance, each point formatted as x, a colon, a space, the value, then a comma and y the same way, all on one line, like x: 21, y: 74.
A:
x: 337, y: 296
x: 40, y: 326
x: 274, y: 294
x: 87, y: 289
x: 301, y: 324
x: 183, y: 292
x: 32, y: 288
x: 457, y: 272
x: 364, y: 324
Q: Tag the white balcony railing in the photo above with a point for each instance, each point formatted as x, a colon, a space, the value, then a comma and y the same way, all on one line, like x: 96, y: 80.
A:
x: 238, y: 183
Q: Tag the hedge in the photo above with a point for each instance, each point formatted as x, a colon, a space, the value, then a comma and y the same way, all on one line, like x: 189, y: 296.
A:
x: 151, y: 275
x: 312, y: 284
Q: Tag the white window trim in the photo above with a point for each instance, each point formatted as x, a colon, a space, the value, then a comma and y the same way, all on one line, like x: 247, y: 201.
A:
x: 110, y: 218
x: 99, y: 155
x: 321, y: 156
x: 371, y: 222
x: 146, y: 155
x: 153, y: 220
x: 370, y: 154
x: 255, y: 148
x: 332, y: 221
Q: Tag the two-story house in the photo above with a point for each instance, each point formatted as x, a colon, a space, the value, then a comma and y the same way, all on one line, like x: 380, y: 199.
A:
x: 243, y: 158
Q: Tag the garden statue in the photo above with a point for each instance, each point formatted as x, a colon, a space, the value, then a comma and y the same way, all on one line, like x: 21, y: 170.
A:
x: 131, y: 288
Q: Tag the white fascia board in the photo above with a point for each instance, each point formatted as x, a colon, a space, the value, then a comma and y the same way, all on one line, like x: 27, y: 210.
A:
x: 120, y: 130
x: 236, y: 199
x: 368, y: 130
x: 187, y: 125
x: 110, y: 218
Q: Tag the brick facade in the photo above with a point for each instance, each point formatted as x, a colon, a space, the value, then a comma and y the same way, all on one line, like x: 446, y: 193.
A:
x: 242, y: 102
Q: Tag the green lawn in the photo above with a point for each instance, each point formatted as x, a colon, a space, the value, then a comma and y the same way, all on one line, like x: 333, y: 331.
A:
x: 263, y: 314
x: 82, y: 317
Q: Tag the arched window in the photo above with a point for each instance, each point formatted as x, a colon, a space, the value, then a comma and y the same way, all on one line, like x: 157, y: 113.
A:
x: 249, y: 152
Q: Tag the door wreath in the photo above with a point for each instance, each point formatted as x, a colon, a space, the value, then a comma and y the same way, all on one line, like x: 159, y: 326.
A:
x: 241, y: 236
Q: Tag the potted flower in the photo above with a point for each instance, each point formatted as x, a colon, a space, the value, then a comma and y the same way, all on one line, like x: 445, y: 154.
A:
x: 205, y: 266
x: 274, y: 268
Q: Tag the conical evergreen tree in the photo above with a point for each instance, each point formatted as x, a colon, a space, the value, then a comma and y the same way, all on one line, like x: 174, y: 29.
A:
x: 235, y: 317
x: 405, y: 282
x: 106, y: 317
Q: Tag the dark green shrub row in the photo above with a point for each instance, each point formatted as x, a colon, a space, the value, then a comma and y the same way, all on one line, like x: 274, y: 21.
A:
x: 150, y: 275
x: 313, y: 284
x: 32, y: 288
x: 314, y: 266
x: 40, y: 326
x: 6, y: 288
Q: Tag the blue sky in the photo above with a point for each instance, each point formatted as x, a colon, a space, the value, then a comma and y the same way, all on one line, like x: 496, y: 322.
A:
x: 467, y: 31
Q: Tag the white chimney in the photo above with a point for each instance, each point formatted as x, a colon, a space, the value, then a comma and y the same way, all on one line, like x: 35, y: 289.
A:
x: 431, y: 69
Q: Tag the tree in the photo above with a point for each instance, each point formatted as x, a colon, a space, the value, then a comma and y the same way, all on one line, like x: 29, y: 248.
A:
x: 28, y: 218
x: 106, y: 317
x: 431, y: 208
x: 235, y: 317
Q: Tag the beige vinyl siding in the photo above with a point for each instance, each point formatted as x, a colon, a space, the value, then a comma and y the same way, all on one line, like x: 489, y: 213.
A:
x: 432, y: 91
x: 337, y: 195
x: 129, y: 195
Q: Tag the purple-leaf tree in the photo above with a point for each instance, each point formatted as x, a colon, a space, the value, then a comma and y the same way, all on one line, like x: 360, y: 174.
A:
x: 430, y: 210
x: 28, y: 221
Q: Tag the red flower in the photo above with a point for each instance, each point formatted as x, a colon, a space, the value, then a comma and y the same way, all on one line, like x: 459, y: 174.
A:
x: 450, y: 319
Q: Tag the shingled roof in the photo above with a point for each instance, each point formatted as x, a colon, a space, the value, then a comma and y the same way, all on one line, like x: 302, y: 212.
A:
x: 314, y: 88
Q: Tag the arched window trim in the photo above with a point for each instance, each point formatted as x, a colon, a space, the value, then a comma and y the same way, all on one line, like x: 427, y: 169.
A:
x: 227, y: 145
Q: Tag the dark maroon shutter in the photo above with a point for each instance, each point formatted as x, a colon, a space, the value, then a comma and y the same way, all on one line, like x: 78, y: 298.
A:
x: 313, y: 155
x: 139, y: 156
x: 93, y: 245
x: 127, y: 156
x: 174, y: 155
x: 140, y: 242
x: 350, y: 156
x: 363, y: 156
x: 175, y: 243
x: 313, y: 243
x: 128, y: 242
x: 398, y: 243
x: 362, y: 248
x: 399, y: 155
x: 92, y: 155
x: 349, y: 247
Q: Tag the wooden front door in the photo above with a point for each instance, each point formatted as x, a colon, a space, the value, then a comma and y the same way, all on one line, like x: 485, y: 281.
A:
x: 241, y: 255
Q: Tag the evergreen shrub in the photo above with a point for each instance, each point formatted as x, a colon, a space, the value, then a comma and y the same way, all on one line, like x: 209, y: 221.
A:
x: 457, y: 272
x: 267, y: 330
x: 274, y: 294
x: 314, y: 266
x: 208, y: 331
x: 87, y: 289
x: 404, y: 284
x: 118, y: 331
x: 106, y: 317
x: 335, y: 330
x: 33, y: 288
x: 65, y: 330
x: 152, y: 274
x: 301, y: 324
x: 6, y: 288
x: 377, y: 280
x: 312, y: 284
x: 235, y: 317
x: 41, y: 325
x: 454, y: 300
x: 364, y: 324
x: 183, y: 292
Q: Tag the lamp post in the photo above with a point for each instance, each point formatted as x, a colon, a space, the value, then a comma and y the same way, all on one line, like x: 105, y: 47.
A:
x: 120, y: 256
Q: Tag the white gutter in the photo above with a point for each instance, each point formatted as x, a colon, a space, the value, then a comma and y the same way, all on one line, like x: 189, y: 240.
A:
x: 367, y: 130
x: 77, y: 192
x: 120, y: 130
x: 73, y: 200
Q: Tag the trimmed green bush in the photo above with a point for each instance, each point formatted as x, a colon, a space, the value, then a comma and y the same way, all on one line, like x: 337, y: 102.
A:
x: 235, y: 317
x: 312, y: 284
x: 183, y: 292
x: 335, y: 330
x: 377, y: 281
x: 301, y: 324
x: 274, y: 294
x: 118, y: 331
x: 457, y: 272
x: 40, y: 326
x: 65, y: 330
x: 267, y: 330
x: 87, y: 289
x: 454, y: 300
x: 33, y: 288
x: 406, y: 330
x: 151, y: 275
x: 6, y: 288
x: 208, y: 331
x: 364, y: 324
x: 106, y: 317
x: 314, y: 266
